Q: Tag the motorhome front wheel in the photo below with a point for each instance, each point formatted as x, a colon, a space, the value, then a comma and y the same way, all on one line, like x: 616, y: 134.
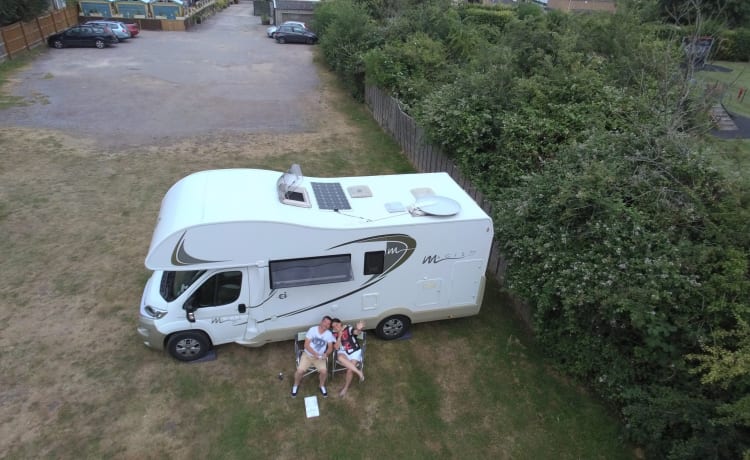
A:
x: 393, y: 327
x: 188, y: 346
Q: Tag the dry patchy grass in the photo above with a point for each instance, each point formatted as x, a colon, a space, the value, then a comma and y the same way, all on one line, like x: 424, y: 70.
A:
x: 76, y: 382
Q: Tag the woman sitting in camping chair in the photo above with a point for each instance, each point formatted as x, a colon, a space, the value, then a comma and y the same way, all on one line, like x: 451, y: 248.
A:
x: 349, y: 353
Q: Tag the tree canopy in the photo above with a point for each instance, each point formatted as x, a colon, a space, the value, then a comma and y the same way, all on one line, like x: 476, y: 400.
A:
x: 587, y: 131
x: 21, y: 10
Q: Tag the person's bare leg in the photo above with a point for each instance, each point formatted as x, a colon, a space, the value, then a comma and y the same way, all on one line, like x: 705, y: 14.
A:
x: 322, y: 375
x: 297, y: 380
x: 351, y: 366
x: 347, y: 381
x: 359, y: 371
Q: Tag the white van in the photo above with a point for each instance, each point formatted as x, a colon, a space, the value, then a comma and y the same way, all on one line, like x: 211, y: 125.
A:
x: 252, y: 256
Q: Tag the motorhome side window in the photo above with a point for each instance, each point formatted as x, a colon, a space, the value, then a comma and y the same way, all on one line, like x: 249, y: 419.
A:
x: 175, y: 283
x: 220, y: 289
x: 374, y: 262
x: 309, y: 271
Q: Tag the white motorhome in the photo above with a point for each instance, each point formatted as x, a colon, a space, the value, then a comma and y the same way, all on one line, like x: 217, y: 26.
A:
x: 253, y: 256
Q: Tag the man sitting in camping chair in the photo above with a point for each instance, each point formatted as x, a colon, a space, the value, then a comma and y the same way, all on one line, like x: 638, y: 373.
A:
x: 348, y: 351
x: 318, y: 346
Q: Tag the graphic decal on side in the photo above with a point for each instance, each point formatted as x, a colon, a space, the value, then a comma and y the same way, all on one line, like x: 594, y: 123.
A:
x: 434, y: 259
x: 399, y: 247
x: 181, y: 257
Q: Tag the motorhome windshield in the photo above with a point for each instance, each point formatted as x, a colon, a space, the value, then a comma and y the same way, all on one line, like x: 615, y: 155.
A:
x: 175, y: 283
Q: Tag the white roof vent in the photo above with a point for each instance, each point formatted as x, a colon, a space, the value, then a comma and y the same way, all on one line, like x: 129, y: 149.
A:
x: 290, y: 189
x: 435, y: 206
x: 359, y: 191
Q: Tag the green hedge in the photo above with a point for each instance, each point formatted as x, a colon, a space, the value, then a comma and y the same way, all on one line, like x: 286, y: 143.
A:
x: 491, y: 16
x: 734, y: 45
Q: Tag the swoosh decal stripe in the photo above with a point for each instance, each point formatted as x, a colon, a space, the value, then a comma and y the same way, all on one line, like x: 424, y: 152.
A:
x: 409, y: 245
x: 180, y: 256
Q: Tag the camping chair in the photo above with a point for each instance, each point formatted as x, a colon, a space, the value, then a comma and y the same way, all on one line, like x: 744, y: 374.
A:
x: 299, y: 348
x: 336, y: 366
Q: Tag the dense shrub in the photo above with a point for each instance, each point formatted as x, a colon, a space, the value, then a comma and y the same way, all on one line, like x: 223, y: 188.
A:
x: 21, y: 10
x: 495, y: 17
x: 408, y: 69
x: 632, y: 249
x: 346, y: 34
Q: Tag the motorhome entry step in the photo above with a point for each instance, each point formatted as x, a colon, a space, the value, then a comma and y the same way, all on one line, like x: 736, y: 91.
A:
x: 210, y: 356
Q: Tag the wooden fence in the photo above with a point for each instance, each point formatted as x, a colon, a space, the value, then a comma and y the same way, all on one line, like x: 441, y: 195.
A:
x: 426, y: 157
x: 20, y: 37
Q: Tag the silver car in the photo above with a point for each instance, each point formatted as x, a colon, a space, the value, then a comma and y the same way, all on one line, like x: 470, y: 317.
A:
x: 120, y: 30
x: 271, y: 31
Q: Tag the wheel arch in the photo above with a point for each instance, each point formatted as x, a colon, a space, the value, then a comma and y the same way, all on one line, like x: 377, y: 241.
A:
x: 401, y: 314
x: 180, y: 331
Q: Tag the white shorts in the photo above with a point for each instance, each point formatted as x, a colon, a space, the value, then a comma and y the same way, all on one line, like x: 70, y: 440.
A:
x: 356, y: 356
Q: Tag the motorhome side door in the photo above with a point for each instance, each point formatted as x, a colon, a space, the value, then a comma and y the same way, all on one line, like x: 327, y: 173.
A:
x: 219, y: 305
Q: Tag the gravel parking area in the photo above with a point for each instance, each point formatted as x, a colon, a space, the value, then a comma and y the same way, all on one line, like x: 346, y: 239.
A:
x: 85, y: 160
x: 224, y: 76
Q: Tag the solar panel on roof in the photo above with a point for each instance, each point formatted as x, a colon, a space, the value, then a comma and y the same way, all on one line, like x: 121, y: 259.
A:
x: 330, y: 195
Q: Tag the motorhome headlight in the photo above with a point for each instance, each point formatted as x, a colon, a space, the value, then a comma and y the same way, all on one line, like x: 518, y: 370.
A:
x: 154, y: 313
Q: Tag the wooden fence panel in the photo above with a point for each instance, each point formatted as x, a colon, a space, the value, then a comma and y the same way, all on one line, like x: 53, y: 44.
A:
x: 32, y: 34
x: 14, y: 39
x: 46, y: 25
x: 426, y: 157
x: 20, y: 37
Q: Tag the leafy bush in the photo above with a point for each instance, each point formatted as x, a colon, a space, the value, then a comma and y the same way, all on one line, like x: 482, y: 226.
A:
x: 408, y: 69
x: 346, y: 34
x: 632, y: 249
x: 493, y: 16
x: 732, y: 45
x: 624, y: 246
x: 21, y: 10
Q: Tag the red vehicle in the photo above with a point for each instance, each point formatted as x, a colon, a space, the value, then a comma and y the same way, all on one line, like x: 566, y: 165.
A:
x: 133, y: 27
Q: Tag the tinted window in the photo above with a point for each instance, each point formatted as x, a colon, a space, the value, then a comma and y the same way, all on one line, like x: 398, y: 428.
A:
x: 310, y: 271
x: 220, y: 289
x: 374, y: 262
x: 175, y: 283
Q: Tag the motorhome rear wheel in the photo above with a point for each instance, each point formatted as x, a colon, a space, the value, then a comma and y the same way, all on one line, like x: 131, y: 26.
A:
x: 393, y: 327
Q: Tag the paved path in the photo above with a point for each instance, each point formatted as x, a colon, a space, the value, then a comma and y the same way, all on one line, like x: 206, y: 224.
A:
x: 222, y: 75
x: 742, y: 130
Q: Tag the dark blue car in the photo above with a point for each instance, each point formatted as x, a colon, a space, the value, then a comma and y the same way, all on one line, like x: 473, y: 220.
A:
x: 83, y: 35
x: 292, y: 33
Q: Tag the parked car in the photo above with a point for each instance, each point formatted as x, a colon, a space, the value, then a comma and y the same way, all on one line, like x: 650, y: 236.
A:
x: 290, y: 33
x: 82, y: 35
x: 133, y: 27
x: 120, y: 30
x: 271, y: 31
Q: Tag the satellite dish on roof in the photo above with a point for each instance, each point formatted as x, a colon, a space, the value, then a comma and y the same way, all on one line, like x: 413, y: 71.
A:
x: 436, y: 206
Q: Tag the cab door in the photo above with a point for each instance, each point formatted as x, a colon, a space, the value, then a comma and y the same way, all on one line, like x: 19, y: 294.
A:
x: 219, y: 305
x: 73, y: 36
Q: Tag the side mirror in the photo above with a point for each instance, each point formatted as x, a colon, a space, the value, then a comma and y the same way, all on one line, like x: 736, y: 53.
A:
x: 189, y: 307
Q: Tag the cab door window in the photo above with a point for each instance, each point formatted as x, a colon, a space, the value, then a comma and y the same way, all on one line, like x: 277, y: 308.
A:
x: 221, y: 289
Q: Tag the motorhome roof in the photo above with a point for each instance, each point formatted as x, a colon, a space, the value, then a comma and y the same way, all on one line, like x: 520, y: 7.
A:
x: 251, y: 195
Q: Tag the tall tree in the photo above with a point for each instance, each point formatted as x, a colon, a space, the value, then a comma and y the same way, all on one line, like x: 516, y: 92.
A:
x: 735, y: 13
x: 21, y: 10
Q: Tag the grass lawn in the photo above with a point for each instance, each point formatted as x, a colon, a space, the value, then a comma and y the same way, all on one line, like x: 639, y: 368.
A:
x: 730, y: 84
x: 733, y: 156
x: 76, y: 381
